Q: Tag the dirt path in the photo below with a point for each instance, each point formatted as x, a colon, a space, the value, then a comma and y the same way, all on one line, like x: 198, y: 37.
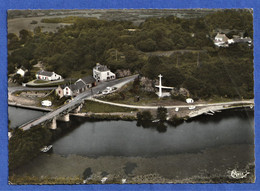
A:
x: 22, y: 100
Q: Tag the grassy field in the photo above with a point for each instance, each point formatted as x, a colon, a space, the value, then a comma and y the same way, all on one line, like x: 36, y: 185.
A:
x: 217, y: 99
x: 40, y: 82
x: 95, y: 107
x: 126, y: 95
x: 44, y: 180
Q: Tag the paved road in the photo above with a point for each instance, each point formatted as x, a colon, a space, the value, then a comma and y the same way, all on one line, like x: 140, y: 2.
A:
x: 22, y: 88
x: 174, y: 106
x: 32, y: 83
x: 77, y: 100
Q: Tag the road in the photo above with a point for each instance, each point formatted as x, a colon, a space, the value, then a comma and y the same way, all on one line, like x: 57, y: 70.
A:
x: 77, y: 100
x: 174, y: 106
x: 24, y: 88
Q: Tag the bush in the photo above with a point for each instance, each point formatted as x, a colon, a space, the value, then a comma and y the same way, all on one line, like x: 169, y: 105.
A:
x: 161, y: 113
x: 144, y: 116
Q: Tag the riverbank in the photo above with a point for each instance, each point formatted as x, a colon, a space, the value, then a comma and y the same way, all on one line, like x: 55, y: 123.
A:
x: 14, y: 104
x: 184, y: 113
x: 211, y: 165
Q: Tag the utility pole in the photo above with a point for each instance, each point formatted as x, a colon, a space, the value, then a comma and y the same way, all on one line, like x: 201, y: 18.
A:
x: 198, y: 60
x: 160, y: 86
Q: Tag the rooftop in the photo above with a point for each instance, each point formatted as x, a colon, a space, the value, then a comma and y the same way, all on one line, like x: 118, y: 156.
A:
x: 101, y: 68
x: 88, y: 79
x: 45, y: 73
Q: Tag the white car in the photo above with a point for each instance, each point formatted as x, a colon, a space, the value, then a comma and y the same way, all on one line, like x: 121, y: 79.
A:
x: 46, y: 103
x: 105, y: 92
x: 109, y: 88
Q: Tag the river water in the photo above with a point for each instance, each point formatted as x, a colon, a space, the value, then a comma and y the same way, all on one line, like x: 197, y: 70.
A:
x: 124, y: 138
x: 19, y: 116
x: 205, y: 145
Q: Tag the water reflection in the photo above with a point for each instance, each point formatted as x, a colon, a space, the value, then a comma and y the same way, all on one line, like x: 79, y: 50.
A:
x: 125, y: 138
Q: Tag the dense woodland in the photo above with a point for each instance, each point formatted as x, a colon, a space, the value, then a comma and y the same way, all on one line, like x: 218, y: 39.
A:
x: 205, y: 70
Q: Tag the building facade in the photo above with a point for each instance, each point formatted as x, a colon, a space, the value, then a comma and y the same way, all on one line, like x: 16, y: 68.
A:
x: 47, y: 76
x: 78, y: 87
x: 102, y: 73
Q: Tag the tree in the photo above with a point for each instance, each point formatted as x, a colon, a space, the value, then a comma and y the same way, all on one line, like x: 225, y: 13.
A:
x: 24, y: 35
x: 161, y: 113
x: 144, y: 116
x: 147, y: 45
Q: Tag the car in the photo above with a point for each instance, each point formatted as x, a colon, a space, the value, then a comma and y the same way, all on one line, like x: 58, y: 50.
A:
x: 108, y: 88
x: 114, y: 88
x: 99, y: 92
x: 105, y: 92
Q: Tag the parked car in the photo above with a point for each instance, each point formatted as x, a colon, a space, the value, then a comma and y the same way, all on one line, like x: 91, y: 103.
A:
x: 99, y: 92
x: 109, y: 88
x: 105, y: 92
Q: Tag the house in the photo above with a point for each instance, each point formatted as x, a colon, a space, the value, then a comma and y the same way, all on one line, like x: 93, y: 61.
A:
x: 221, y: 40
x: 78, y: 87
x: 59, y: 91
x: 247, y: 40
x: 47, y: 76
x: 21, y: 71
x: 89, y: 81
x: 102, y: 73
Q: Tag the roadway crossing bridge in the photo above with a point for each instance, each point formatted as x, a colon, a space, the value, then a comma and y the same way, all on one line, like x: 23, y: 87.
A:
x: 74, y: 104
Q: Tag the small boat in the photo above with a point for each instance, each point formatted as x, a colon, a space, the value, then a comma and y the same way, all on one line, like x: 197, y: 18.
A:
x: 45, y: 149
x: 156, y: 120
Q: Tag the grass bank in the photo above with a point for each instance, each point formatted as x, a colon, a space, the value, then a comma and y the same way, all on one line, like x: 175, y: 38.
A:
x: 95, y: 107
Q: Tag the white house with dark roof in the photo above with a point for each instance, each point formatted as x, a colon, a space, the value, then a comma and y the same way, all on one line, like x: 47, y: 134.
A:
x: 47, y: 76
x: 21, y: 71
x: 221, y: 40
x: 79, y: 86
x: 102, y: 73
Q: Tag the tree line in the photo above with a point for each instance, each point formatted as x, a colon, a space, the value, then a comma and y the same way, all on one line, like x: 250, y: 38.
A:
x: 78, y: 47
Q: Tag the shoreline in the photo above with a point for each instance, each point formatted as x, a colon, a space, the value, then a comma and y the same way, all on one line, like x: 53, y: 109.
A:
x: 189, y: 114
x: 14, y: 104
x: 211, y: 167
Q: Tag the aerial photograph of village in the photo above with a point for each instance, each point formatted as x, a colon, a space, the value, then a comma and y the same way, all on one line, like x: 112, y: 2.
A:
x: 130, y: 96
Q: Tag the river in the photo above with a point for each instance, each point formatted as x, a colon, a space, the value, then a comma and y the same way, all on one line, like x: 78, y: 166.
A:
x: 205, y: 145
x: 124, y: 138
x: 19, y: 116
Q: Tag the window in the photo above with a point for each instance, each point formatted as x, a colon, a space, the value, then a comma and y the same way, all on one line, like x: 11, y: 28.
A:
x: 107, y: 73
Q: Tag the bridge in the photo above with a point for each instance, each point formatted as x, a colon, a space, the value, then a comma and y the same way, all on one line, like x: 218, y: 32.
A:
x: 76, y: 103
